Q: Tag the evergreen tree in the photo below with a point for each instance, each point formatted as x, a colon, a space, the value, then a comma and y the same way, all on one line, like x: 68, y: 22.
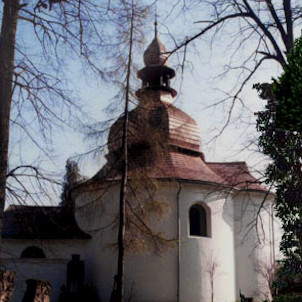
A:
x: 280, y: 125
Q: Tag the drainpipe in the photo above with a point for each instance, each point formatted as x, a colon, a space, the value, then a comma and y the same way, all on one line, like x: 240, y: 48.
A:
x: 178, y: 240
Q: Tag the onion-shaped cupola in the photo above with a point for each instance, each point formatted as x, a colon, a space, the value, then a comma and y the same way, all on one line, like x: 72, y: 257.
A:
x: 163, y: 141
x: 156, y: 74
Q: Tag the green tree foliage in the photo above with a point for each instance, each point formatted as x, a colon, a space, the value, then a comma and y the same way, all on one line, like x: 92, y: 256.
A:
x: 281, y: 139
x: 288, y: 91
x: 288, y: 298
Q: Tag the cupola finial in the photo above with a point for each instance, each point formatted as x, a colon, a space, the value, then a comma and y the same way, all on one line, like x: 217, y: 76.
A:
x: 155, y: 24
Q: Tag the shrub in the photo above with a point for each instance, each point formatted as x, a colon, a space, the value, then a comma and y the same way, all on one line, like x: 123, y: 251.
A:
x: 288, y: 298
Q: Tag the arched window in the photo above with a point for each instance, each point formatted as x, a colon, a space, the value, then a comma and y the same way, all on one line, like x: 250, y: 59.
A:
x: 198, y: 221
x: 33, y: 252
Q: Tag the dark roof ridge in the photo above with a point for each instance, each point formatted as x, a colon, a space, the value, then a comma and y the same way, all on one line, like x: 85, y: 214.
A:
x: 226, y: 163
x: 15, y: 206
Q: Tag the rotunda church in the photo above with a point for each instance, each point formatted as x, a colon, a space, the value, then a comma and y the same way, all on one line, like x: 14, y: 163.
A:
x: 195, y: 230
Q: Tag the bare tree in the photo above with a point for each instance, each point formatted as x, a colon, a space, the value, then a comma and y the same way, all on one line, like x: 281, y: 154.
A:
x: 7, y: 51
x: 267, y: 273
x: 33, y: 94
x: 212, y: 266
x: 124, y: 181
x: 25, y: 84
x: 137, y: 199
x: 57, y: 25
x: 261, y: 30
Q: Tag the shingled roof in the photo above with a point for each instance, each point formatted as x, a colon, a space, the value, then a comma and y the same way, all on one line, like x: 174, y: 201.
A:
x: 156, y: 53
x: 37, y: 222
x: 169, y: 165
x: 160, y: 123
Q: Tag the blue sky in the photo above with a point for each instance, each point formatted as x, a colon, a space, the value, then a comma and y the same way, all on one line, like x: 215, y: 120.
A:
x: 199, y: 87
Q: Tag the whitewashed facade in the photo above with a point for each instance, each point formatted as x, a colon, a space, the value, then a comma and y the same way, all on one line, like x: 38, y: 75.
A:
x: 230, y: 255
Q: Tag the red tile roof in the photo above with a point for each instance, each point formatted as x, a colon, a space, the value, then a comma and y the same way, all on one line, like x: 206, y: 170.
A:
x: 161, y: 122
x: 177, y: 165
x: 237, y: 174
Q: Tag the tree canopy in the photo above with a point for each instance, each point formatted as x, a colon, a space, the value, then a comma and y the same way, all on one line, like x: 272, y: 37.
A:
x: 281, y: 139
x: 288, y: 92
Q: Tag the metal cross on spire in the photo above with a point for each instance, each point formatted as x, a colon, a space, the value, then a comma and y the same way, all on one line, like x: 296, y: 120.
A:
x: 155, y: 23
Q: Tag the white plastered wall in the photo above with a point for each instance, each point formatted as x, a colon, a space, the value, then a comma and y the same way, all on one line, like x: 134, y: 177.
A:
x: 151, y: 277
x: 207, y: 263
x: 254, y: 243
x: 230, y: 249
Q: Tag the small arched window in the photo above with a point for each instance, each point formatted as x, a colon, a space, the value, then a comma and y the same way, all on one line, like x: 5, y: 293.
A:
x: 198, y: 221
x: 33, y: 252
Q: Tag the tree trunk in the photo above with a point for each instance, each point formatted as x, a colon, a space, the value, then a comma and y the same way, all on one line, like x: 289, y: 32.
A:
x: 7, y: 53
x: 37, y: 291
x: 123, y: 188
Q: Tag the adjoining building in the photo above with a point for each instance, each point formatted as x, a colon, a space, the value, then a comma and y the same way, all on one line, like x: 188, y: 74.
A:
x: 191, y: 223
